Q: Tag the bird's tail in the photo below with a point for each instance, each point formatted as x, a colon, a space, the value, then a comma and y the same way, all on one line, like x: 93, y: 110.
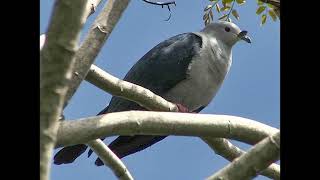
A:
x: 126, y: 145
x: 69, y: 154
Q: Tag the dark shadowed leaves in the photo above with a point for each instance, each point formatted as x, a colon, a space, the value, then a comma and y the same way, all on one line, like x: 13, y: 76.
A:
x: 272, y: 14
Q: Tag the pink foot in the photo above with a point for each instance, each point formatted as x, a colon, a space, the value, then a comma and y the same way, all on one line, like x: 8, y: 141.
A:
x: 182, y: 108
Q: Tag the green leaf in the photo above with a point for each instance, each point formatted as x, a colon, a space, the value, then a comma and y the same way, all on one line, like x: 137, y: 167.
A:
x: 211, y: 15
x: 205, y: 16
x: 218, y: 8
x: 223, y: 16
x: 272, y: 14
x: 207, y: 7
x: 260, y: 9
x: 225, y: 8
x: 241, y: 2
x: 260, y: 2
x: 226, y: 2
x: 213, y: 0
x: 263, y: 19
x: 235, y: 14
x: 270, y: 5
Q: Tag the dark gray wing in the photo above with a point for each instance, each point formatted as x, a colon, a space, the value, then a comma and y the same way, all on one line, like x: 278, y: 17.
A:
x: 160, y: 69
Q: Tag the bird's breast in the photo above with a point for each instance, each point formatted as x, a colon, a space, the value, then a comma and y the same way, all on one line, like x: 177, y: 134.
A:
x: 204, y: 77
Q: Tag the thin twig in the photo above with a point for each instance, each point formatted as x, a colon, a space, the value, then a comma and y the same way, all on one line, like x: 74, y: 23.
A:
x: 162, y: 4
x: 110, y: 159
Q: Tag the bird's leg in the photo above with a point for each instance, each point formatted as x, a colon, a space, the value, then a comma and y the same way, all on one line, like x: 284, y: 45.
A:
x: 182, y: 108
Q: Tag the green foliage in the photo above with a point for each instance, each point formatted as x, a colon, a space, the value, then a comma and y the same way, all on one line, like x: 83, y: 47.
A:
x: 226, y: 7
x: 266, y: 9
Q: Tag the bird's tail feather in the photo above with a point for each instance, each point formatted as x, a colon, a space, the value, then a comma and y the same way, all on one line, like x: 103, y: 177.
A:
x: 126, y: 145
x: 69, y: 154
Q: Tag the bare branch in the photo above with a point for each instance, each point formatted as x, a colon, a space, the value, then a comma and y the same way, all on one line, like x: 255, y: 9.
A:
x: 99, y: 33
x: 56, y: 62
x: 110, y: 159
x: 143, y: 97
x: 138, y: 94
x: 162, y: 123
x: 229, y: 151
x: 251, y: 163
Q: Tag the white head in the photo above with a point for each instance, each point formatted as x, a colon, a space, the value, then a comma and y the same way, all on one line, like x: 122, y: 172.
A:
x: 226, y: 32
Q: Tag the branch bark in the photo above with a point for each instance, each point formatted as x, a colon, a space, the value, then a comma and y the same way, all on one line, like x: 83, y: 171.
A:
x: 255, y: 160
x: 56, y: 62
x: 127, y: 90
x: 162, y: 123
x: 91, y: 46
x: 110, y: 159
x: 229, y: 151
x: 150, y: 101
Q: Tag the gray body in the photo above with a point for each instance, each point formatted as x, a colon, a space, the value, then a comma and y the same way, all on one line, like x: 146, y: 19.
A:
x: 205, y: 75
x: 187, y: 69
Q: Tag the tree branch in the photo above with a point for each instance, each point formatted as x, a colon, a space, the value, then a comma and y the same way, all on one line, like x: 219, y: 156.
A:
x: 229, y: 151
x: 110, y: 159
x: 255, y: 160
x: 127, y: 90
x: 161, y: 123
x: 91, y: 46
x: 56, y: 62
x: 150, y: 101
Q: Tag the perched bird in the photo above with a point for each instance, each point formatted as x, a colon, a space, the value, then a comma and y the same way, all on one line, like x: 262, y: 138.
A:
x: 187, y: 69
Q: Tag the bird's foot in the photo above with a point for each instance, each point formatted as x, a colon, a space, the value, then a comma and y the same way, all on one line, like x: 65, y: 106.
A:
x: 182, y: 108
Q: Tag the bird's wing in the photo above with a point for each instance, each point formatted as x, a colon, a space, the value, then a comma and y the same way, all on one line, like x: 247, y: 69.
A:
x: 163, y: 67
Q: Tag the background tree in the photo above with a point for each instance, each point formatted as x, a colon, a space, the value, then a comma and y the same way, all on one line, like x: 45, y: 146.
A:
x: 240, y: 95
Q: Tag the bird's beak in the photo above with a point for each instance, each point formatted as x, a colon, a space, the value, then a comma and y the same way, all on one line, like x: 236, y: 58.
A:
x: 243, y: 36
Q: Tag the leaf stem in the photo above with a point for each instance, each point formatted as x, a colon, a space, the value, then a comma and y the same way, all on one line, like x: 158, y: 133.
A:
x: 230, y: 9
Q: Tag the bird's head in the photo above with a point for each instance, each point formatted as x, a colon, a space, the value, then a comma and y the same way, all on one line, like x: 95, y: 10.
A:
x: 227, y: 32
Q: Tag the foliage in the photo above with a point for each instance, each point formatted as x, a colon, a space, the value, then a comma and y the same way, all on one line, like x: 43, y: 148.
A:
x: 225, y: 8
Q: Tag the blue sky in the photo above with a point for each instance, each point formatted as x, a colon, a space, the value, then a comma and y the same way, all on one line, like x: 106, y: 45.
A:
x: 251, y: 89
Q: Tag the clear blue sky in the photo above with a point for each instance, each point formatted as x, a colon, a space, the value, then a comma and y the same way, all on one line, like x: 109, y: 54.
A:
x: 251, y: 89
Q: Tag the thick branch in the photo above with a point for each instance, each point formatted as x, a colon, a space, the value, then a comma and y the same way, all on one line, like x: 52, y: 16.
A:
x: 56, y: 62
x: 162, y: 123
x: 98, y: 34
x: 255, y: 160
x: 151, y: 101
x: 227, y: 150
x: 110, y: 159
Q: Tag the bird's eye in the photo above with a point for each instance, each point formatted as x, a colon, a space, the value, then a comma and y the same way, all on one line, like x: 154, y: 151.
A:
x: 227, y: 29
